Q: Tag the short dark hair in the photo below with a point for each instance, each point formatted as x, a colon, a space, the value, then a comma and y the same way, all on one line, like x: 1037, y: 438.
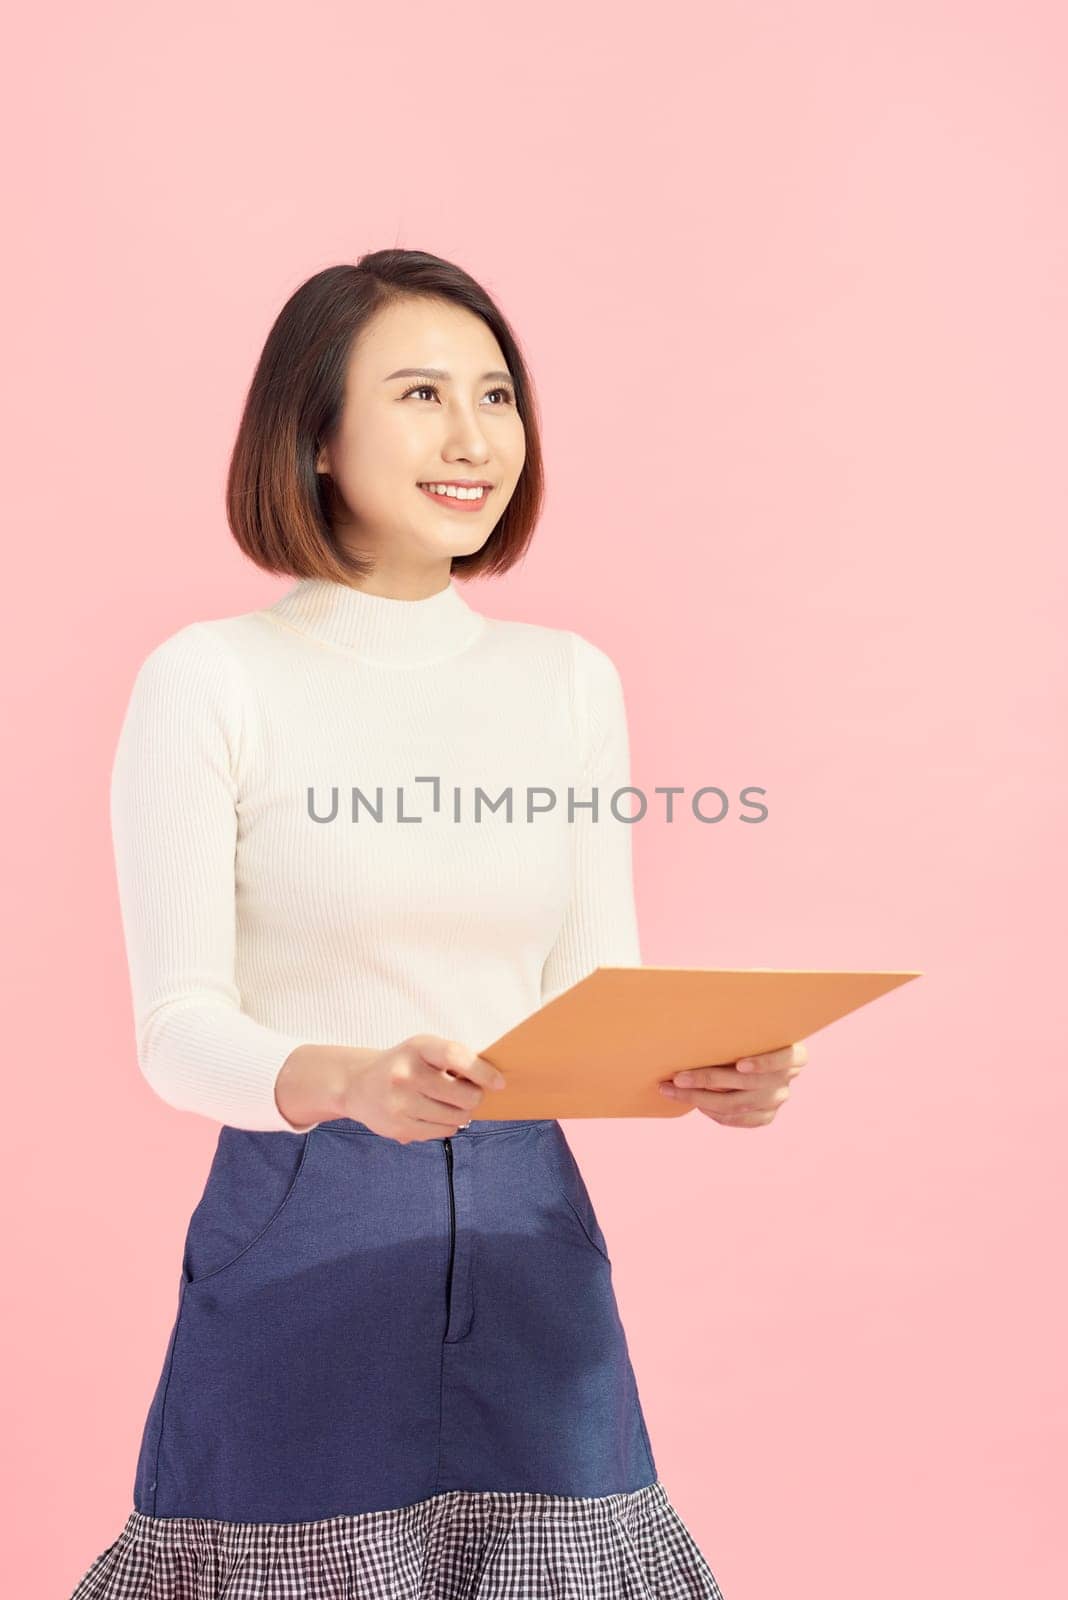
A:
x: 277, y: 504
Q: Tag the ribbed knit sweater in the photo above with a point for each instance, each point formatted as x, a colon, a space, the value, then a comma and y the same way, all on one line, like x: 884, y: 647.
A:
x: 312, y: 840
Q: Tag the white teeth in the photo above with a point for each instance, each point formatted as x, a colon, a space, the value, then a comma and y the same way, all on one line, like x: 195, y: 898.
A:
x: 452, y: 492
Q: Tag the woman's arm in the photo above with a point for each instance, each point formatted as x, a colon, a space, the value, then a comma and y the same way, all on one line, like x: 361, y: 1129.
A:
x: 174, y: 832
x: 316, y: 1082
x: 601, y: 924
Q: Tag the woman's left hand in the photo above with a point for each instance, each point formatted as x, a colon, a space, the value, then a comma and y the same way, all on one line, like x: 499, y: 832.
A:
x: 745, y: 1095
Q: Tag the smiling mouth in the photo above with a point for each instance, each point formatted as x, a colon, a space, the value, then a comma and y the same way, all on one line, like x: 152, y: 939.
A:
x: 462, y: 498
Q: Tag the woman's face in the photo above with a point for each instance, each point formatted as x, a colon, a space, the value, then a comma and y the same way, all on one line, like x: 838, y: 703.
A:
x: 398, y: 432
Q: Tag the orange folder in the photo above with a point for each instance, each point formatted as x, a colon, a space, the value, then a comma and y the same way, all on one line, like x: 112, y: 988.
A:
x: 600, y: 1048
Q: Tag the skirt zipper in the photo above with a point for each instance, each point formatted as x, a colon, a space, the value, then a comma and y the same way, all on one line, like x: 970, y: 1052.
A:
x: 452, y: 1231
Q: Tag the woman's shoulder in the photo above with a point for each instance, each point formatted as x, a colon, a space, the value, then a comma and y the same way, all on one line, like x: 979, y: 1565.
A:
x: 196, y: 669
x: 205, y: 645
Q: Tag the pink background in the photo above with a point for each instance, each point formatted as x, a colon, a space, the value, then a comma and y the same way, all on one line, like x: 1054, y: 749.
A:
x: 792, y: 283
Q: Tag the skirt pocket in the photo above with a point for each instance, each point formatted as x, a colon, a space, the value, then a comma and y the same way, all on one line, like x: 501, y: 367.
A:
x: 558, y: 1161
x: 252, y: 1180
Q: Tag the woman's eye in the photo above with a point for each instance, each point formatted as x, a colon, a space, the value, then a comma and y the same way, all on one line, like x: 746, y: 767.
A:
x: 430, y: 388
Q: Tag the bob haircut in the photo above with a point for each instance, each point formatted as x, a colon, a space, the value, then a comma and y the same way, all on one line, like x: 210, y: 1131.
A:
x: 278, y: 506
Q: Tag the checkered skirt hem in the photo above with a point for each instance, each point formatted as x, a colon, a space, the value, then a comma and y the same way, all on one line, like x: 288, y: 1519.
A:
x: 459, y: 1545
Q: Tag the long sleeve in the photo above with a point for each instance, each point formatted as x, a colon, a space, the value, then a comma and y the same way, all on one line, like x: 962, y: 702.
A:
x: 600, y: 927
x: 173, y: 802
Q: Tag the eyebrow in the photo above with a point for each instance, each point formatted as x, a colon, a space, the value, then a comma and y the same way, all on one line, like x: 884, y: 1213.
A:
x: 439, y: 372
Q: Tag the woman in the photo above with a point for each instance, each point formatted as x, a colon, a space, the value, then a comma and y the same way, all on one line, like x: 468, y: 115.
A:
x: 397, y: 1367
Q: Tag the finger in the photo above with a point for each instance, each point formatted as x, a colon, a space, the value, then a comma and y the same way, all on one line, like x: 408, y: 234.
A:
x: 443, y: 1087
x: 439, y: 1113
x: 452, y: 1056
x: 422, y: 1128
x: 774, y: 1060
x: 725, y: 1077
x: 762, y: 1098
x: 734, y: 1099
x: 707, y: 1078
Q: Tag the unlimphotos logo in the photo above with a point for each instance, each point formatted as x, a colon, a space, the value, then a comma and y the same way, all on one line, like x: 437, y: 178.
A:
x: 534, y: 801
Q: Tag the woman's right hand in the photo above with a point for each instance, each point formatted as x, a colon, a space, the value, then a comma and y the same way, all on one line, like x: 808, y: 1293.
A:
x: 426, y: 1087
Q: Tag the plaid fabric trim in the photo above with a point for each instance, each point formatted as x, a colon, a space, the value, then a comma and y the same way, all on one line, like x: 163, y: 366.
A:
x: 460, y: 1545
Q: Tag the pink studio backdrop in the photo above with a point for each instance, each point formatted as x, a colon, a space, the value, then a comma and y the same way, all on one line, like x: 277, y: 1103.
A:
x: 791, y: 281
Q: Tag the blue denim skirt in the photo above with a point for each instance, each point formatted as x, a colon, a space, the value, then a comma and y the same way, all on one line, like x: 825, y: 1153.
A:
x: 367, y: 1327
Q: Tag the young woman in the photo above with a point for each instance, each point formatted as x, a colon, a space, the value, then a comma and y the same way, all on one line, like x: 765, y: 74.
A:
x: 397, y: 1367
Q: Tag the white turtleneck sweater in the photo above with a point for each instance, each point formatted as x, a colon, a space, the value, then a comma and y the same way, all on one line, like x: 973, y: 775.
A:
x: 252, y: 928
